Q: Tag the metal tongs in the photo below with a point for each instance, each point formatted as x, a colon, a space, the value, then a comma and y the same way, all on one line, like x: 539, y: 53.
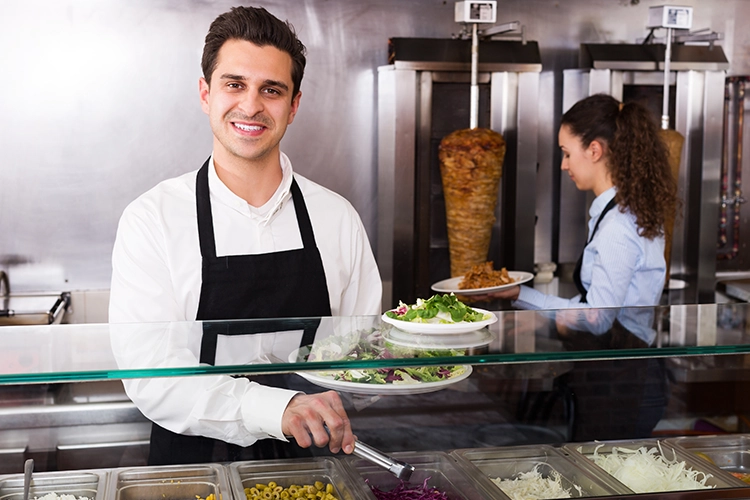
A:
x: 400, y: 469
x: 28, y: 468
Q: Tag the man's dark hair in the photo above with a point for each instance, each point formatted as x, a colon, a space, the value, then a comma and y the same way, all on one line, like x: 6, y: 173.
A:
x: 258, y: 26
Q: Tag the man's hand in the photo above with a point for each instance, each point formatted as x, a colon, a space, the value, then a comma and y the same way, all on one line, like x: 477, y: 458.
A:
x: 306, y: 415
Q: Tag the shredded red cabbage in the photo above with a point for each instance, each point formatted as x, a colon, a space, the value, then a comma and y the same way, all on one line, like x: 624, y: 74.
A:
x: 404, y: 492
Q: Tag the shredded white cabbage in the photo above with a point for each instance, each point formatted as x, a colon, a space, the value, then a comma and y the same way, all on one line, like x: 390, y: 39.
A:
x: 646, y: 470
x: 64, y: 496
x: 533, y: 486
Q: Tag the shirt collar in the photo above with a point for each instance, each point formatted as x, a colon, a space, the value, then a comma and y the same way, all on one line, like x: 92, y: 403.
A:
x: 597, y: 206
x: 265, y: 213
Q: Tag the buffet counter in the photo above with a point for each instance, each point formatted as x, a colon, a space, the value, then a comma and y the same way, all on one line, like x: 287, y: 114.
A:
x: 471, y: 406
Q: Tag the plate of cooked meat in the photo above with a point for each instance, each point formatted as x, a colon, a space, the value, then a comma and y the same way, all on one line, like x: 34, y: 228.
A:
x: 482, y: 279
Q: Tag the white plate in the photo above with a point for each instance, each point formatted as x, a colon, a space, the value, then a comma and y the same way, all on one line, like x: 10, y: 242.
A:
x: 329, y: 382
x: 478, y: 338
x: 437, y: 328
x: 451, y: 284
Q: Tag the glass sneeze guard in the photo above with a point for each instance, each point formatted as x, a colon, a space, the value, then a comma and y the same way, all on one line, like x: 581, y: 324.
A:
x: 86, y: 352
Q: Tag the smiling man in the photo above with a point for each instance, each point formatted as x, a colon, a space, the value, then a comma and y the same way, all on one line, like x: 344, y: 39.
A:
x: 242, y: 237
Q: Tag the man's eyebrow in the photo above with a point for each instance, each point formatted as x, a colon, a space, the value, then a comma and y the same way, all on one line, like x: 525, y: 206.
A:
x: 229, y: 76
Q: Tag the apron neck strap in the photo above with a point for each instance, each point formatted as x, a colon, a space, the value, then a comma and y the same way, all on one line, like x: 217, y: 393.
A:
x: 577, y: 272
x: 206, y: 225
x: 203, y: 206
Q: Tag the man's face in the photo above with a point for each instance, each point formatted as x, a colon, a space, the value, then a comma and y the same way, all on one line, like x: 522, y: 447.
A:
x: 249, y: 102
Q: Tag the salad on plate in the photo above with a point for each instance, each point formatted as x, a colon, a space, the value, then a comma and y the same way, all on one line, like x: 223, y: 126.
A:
x: 439, y: 309
x: 373, y: 346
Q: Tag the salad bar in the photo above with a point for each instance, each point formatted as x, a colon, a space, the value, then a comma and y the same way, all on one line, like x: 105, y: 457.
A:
x: 575, y: 470
x: 455, y: 435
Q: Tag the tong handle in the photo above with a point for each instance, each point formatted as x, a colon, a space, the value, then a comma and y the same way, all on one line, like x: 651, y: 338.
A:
x: 367, y: 452
x: 28, y: 468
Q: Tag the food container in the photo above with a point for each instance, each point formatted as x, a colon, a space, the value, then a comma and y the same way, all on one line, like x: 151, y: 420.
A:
x: 731, y: 453
x: 300, y: 471
x: 584, y: 451
x: 508, y: 462
x: 174, y: 482
x: 89, y: 484
x: 439, y: 469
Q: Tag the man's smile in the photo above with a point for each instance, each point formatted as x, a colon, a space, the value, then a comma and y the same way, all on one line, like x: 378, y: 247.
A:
x: 247, y: 127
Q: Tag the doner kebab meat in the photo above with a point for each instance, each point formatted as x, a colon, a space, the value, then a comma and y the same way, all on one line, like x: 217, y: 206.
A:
x: 471, y: 164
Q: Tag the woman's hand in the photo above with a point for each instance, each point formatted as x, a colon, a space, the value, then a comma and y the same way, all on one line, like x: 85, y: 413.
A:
x: 507, y: 293
x: 307, y: 416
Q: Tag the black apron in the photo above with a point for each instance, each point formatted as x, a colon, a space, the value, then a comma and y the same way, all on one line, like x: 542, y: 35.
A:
x: 641, y: 384
x: 287, y: 284
x: 577, y: 273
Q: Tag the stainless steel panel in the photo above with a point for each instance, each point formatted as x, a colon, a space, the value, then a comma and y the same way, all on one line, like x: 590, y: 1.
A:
x: 11, y: 460
x: 699, y: 112
x: 396, y: 154
x: 573, y: 209
x: 110, y: 455
x: 457, y: 66
x: 600, y: 82
x: 524, y: 209
x: 688, y: 121
x: 548, y: 171
x: 647, y: 78
x: 423, y: 188
x: 504, y: 90
x: 713, y: 102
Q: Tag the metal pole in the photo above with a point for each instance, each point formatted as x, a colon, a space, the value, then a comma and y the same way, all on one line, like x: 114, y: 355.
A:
x: 474, y: 109
x: 665, y: 104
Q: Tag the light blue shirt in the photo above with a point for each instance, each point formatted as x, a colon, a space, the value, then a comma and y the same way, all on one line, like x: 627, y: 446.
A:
x: 620, y: 267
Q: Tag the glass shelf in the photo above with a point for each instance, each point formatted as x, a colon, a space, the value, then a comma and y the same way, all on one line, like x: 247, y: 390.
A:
x: 85, y: 352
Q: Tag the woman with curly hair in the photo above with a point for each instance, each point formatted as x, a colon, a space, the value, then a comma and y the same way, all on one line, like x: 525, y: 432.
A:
x: 614, y: 150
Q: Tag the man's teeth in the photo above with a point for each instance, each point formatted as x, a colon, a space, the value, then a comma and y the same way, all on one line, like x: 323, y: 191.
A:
x: 247, y: 128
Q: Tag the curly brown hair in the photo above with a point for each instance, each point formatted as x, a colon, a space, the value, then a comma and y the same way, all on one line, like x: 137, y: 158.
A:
x: 636, y: 157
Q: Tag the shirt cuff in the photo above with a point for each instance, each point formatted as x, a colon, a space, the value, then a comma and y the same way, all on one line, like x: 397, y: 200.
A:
x: 528, y: 298
x: 262, y: 409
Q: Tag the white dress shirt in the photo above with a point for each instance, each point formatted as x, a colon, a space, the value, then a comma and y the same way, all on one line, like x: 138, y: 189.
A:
x: 156, y: 277
x: 620, y: 268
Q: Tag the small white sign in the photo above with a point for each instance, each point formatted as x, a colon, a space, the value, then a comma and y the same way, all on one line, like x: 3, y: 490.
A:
x: 670, y: 16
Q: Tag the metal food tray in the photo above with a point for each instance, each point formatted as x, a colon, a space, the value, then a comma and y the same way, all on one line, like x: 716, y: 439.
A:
x: 90, y: 484
x: 439, y: 469
x: 731, y: 453
x: 174, y: 482
x: 298, y: 471
x: 718, y: 478
x: 508, y: 462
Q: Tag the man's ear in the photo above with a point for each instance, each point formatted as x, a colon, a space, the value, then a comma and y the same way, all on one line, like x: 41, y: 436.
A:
x: 203, y: 93
x: 294, y: 108
x: 595, y: 150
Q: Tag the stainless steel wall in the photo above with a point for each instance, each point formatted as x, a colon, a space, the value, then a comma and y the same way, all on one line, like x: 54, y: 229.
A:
x: 99, y: 103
